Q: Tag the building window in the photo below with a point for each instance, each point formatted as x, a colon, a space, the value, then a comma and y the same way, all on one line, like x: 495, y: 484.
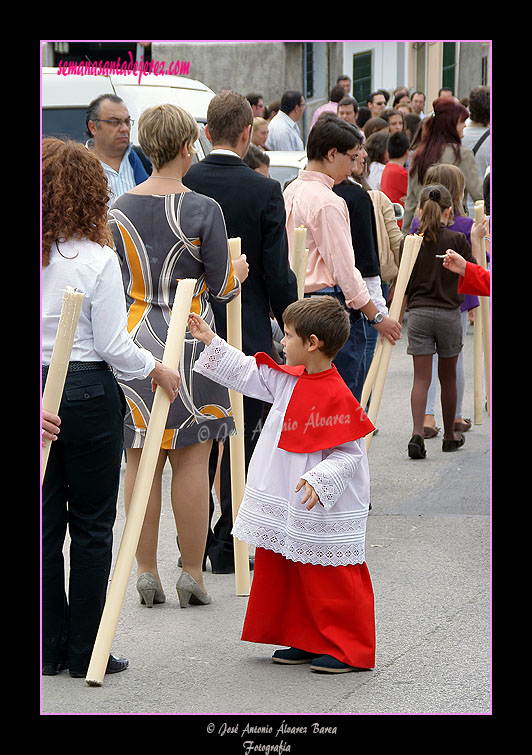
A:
x: 485, y: 70
x: 362, y: 65
x: 448, y: 78
x: 308, y: 55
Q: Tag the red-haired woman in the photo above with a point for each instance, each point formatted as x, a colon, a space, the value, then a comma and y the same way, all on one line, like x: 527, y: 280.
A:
x: 441, y: 142
x: 83, y: 472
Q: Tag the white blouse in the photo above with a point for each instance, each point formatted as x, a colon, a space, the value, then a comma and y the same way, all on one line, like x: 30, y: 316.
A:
x: 102, y: 328
x: 271, y: 514
x: 375, y: 174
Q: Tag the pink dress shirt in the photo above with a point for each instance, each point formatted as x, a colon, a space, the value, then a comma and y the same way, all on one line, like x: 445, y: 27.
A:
x: 329, y: 107
x: 310, y: 201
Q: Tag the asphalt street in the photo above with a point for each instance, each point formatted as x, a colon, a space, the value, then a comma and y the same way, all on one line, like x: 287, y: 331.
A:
x: 428, y: 549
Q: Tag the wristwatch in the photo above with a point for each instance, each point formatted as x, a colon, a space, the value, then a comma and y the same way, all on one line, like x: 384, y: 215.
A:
x: 379, y: 317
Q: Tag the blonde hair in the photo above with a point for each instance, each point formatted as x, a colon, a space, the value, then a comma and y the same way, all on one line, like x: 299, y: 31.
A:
x: 453, y: 179
x: 258, y: 122
x: 164, y: 130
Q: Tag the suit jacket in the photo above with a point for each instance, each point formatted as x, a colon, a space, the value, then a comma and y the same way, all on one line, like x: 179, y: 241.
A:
x: 253, y: 209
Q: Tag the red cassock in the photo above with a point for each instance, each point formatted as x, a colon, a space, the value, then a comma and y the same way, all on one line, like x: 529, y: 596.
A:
x: 325, y: 610
x: 476, y: 281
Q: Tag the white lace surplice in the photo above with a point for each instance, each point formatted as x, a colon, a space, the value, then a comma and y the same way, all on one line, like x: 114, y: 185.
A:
x: 271, y: 514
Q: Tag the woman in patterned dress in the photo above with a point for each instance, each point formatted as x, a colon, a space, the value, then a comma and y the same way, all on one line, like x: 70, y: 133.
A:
x: 164, y: 232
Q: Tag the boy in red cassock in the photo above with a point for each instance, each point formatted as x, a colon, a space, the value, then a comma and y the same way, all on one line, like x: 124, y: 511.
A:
x: 306, y: 500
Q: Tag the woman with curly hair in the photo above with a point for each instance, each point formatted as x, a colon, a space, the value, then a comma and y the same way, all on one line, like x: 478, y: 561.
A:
x: 82, y: 476
x: 441, y: 142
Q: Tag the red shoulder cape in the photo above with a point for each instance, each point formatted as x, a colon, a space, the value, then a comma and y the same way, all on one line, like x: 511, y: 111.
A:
x: 322, y: 411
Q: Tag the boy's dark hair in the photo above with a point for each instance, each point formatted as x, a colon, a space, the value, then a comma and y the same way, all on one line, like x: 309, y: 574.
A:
x: 322, y: 316
x: 398, y: 144
x: 331, y: 132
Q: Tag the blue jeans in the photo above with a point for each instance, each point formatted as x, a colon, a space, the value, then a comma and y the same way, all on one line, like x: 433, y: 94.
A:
x: 372, y: 334
x: 351, y: 359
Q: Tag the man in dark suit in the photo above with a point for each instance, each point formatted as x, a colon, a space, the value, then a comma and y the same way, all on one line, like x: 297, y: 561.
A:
x: 253, y: 208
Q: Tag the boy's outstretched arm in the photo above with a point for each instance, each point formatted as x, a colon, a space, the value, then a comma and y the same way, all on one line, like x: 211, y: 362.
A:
x: 199, y: 329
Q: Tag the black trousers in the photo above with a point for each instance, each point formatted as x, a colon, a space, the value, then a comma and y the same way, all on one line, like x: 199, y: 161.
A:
x: 80, y: 490
x: 219, y: 546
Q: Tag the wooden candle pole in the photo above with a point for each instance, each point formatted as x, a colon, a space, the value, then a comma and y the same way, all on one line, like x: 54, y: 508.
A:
x: 142, y: 488
x: 299, y: 259
x: 57, y: 371
x: 236, y: 442
x: 408, y: 258
x: 484, y: 307
x: 374, y: 367
x: 478, y: 387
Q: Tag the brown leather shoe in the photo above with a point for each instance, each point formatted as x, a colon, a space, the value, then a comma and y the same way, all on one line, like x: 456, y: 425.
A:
x: 463, y: 426
x: 453, y: 445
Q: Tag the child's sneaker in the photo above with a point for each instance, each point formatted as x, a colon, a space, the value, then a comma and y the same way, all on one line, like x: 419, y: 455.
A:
x: 292, y: 656
x: 330, y: 665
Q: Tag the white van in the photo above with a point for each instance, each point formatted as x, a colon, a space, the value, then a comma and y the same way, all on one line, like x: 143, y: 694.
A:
x: 65, y: 98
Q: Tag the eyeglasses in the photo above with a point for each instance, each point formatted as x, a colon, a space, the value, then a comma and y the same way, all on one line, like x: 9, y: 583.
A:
x: 116, y: 122
x: 352, y: 157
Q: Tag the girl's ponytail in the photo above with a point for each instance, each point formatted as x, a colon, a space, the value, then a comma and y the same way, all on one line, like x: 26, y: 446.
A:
x: 433, y: 201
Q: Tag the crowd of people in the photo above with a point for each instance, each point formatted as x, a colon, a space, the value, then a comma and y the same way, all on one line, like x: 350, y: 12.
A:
x: 124, y: 222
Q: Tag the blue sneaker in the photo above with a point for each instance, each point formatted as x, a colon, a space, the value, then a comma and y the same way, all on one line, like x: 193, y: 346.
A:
x: 329, y: 665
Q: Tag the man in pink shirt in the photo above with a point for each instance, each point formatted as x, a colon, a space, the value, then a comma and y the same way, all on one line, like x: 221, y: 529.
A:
x: 332, y: 148
x: 337, y: 94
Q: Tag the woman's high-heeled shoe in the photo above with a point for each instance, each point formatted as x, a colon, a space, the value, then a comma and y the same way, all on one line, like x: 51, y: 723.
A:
x: 149, y: 590
x: 189, y: 591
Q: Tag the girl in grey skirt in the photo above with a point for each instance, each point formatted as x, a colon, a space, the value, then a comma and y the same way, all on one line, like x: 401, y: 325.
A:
x: 434, y: 324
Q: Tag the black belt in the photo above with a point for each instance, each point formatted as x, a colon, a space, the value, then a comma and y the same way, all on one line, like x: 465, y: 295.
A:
x: 80, y: 367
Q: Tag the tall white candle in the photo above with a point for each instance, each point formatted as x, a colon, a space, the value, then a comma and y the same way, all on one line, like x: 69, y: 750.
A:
x: 411, y: 248
x: 141, y: 491
x: 236, y: 442
x: 57, y: 370
x: 485, y: 317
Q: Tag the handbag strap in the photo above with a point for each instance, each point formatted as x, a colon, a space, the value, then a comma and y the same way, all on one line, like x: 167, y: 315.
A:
x: 481, y: 141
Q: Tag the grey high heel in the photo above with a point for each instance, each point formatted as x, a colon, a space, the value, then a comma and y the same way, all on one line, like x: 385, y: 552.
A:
x: 189, y: 591
x: 149, y: 590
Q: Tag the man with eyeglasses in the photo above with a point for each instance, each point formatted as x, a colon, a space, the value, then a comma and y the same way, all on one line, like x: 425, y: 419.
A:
x: 108, y: 125
x: 333, y: 149
x: 377, y: 104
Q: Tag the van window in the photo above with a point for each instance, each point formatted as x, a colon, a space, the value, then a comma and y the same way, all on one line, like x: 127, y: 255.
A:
x: 65, y: 122
x: 204, y: 144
